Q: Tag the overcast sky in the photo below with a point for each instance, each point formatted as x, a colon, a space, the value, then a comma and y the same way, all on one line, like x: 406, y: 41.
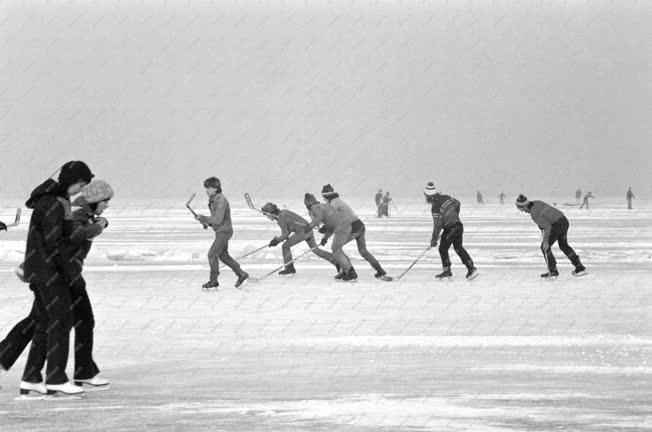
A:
x: 281, y: 97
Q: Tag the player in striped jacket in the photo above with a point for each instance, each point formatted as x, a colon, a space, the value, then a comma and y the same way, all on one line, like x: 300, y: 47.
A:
x: 446, y: 217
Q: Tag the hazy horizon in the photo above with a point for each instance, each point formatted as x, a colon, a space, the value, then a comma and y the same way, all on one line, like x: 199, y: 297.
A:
x: 281, y: 99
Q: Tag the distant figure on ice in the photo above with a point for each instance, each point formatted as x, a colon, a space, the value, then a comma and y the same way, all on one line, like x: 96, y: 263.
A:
x: 630, y: 197
x: 478, y: 197
x: 292, y: 233
x: 578, y: 195
x: 554, y: 225
x: 379, y: 199
x: 585, y: 201
x: 501, y: 197
x: 220, y: 221
x: 446, y: 215
x: 387, y: 200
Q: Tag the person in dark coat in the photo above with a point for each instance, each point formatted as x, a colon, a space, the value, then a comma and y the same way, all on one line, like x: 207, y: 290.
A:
x: 585, y: 201
x: 85, y: 225
x: 446, y: 216
x: 51, y: 270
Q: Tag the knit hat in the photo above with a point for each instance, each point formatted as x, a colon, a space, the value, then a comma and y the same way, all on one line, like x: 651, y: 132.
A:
x: 270, y: 208
x: 74, y: 171
x: 327, y: 190
x: 522, y: 201
x: 430, y: 189
x: 309, y: 199
x: 97, y: 191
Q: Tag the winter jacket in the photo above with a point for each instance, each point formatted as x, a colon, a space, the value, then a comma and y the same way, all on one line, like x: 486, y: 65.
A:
x: 323, y: 213
x: 48, y: 252
x: 379, y: 198
x: 544, y: 215
x: 445, y: 213
x: 82, y: 229
x: 290, y: 222
x: 338, y: 205
x: 630, y: 194
x: 220, y: 218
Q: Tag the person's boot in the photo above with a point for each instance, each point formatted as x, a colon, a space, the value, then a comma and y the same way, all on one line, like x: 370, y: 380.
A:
x: 210, y: 285
x: 580, y: 270
x: 339, y: 274
x: 379, y: 271
x: 472, y: 271
x: 288, y: 270
x: 552, y: 274
x: 351, y: 275
x: 445, y: 274
x: 242, y: 277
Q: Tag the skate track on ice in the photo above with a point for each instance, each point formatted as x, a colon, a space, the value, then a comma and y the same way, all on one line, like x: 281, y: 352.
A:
x: 507, y: 352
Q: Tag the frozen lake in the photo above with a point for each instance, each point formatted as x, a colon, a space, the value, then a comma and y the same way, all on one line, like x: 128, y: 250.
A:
x: 506, y: 352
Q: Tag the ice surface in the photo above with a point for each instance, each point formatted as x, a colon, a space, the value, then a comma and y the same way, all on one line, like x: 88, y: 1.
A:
x: 506, y: 352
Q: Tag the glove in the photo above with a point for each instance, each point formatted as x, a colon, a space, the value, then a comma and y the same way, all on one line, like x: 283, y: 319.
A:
x: 324, y: 240
x: 545, y: 246
x: 433, y: 242
x: 323, y: 229
x: 3, y: 227
x: 274, y: 242
x: 307, y: 228
x: 102, y: 222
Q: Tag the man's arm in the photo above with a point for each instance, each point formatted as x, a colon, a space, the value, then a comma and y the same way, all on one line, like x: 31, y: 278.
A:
x: 56, y: 244
x: 81, y: 232
x: 217, y: 216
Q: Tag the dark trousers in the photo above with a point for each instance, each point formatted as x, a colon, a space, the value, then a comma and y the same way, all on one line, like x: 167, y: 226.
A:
x: 51, y: 334
x: 219, y: 251
x: 309, y: 238
x: 17, y: 339
x: 558, y: 233
x: 629, y: 203
x: 358, y: 230
x: 83, y: 321
x: 453, y: 236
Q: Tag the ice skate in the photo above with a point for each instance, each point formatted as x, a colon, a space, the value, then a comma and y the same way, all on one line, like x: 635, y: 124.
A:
x: 93, y: 384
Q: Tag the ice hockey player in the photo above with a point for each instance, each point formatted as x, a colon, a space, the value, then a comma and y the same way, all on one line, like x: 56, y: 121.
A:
x: 292, y: 233
x: 50, y: 269
x: 501, y: 197
x: 478, y: 197
x: 446, y: 215
x: 585, y: 201
x: 554, y: 225
x: 220, y: 221
x: 387, y: 200
x: 334, y: 223
x: 630, y: 196
x: 355, y: 232
x: 379, y: 199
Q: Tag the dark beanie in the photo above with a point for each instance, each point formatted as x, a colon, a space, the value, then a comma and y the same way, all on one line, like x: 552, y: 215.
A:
x: 309, y: 199
x: 327, y: 190
x: 74, y: 171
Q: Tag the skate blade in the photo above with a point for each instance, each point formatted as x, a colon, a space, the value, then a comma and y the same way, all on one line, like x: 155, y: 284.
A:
x: 288, y: 276
x: 473, y: 275
x: 210, y: 290
x: 93, y: 388
x: 31, y: 396
x: 65, y: 396
x: 242, y: 285
x: 385, y: 278
x: 447, y: 278
x: 580, y: 274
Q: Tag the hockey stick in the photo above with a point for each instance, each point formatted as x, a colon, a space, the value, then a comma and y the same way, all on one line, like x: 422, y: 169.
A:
x: 251, y: 252
x: 399, y: 277
x: 284, y: 265
x: 192, y: 197
x: 17, y: 221
x: 395, y: 208
x: 250, y: 203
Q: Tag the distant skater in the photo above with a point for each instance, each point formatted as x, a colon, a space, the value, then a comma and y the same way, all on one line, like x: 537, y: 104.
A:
x: 501, y: 197
x: 585, y: 201
x: 387, y: 201
x: 578, y: 195
x: 478, y: 197
x: 379, y: 200
x: 630, y: 197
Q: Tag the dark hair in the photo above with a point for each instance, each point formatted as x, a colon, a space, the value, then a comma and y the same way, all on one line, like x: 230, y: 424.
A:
x: 213, y: 182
